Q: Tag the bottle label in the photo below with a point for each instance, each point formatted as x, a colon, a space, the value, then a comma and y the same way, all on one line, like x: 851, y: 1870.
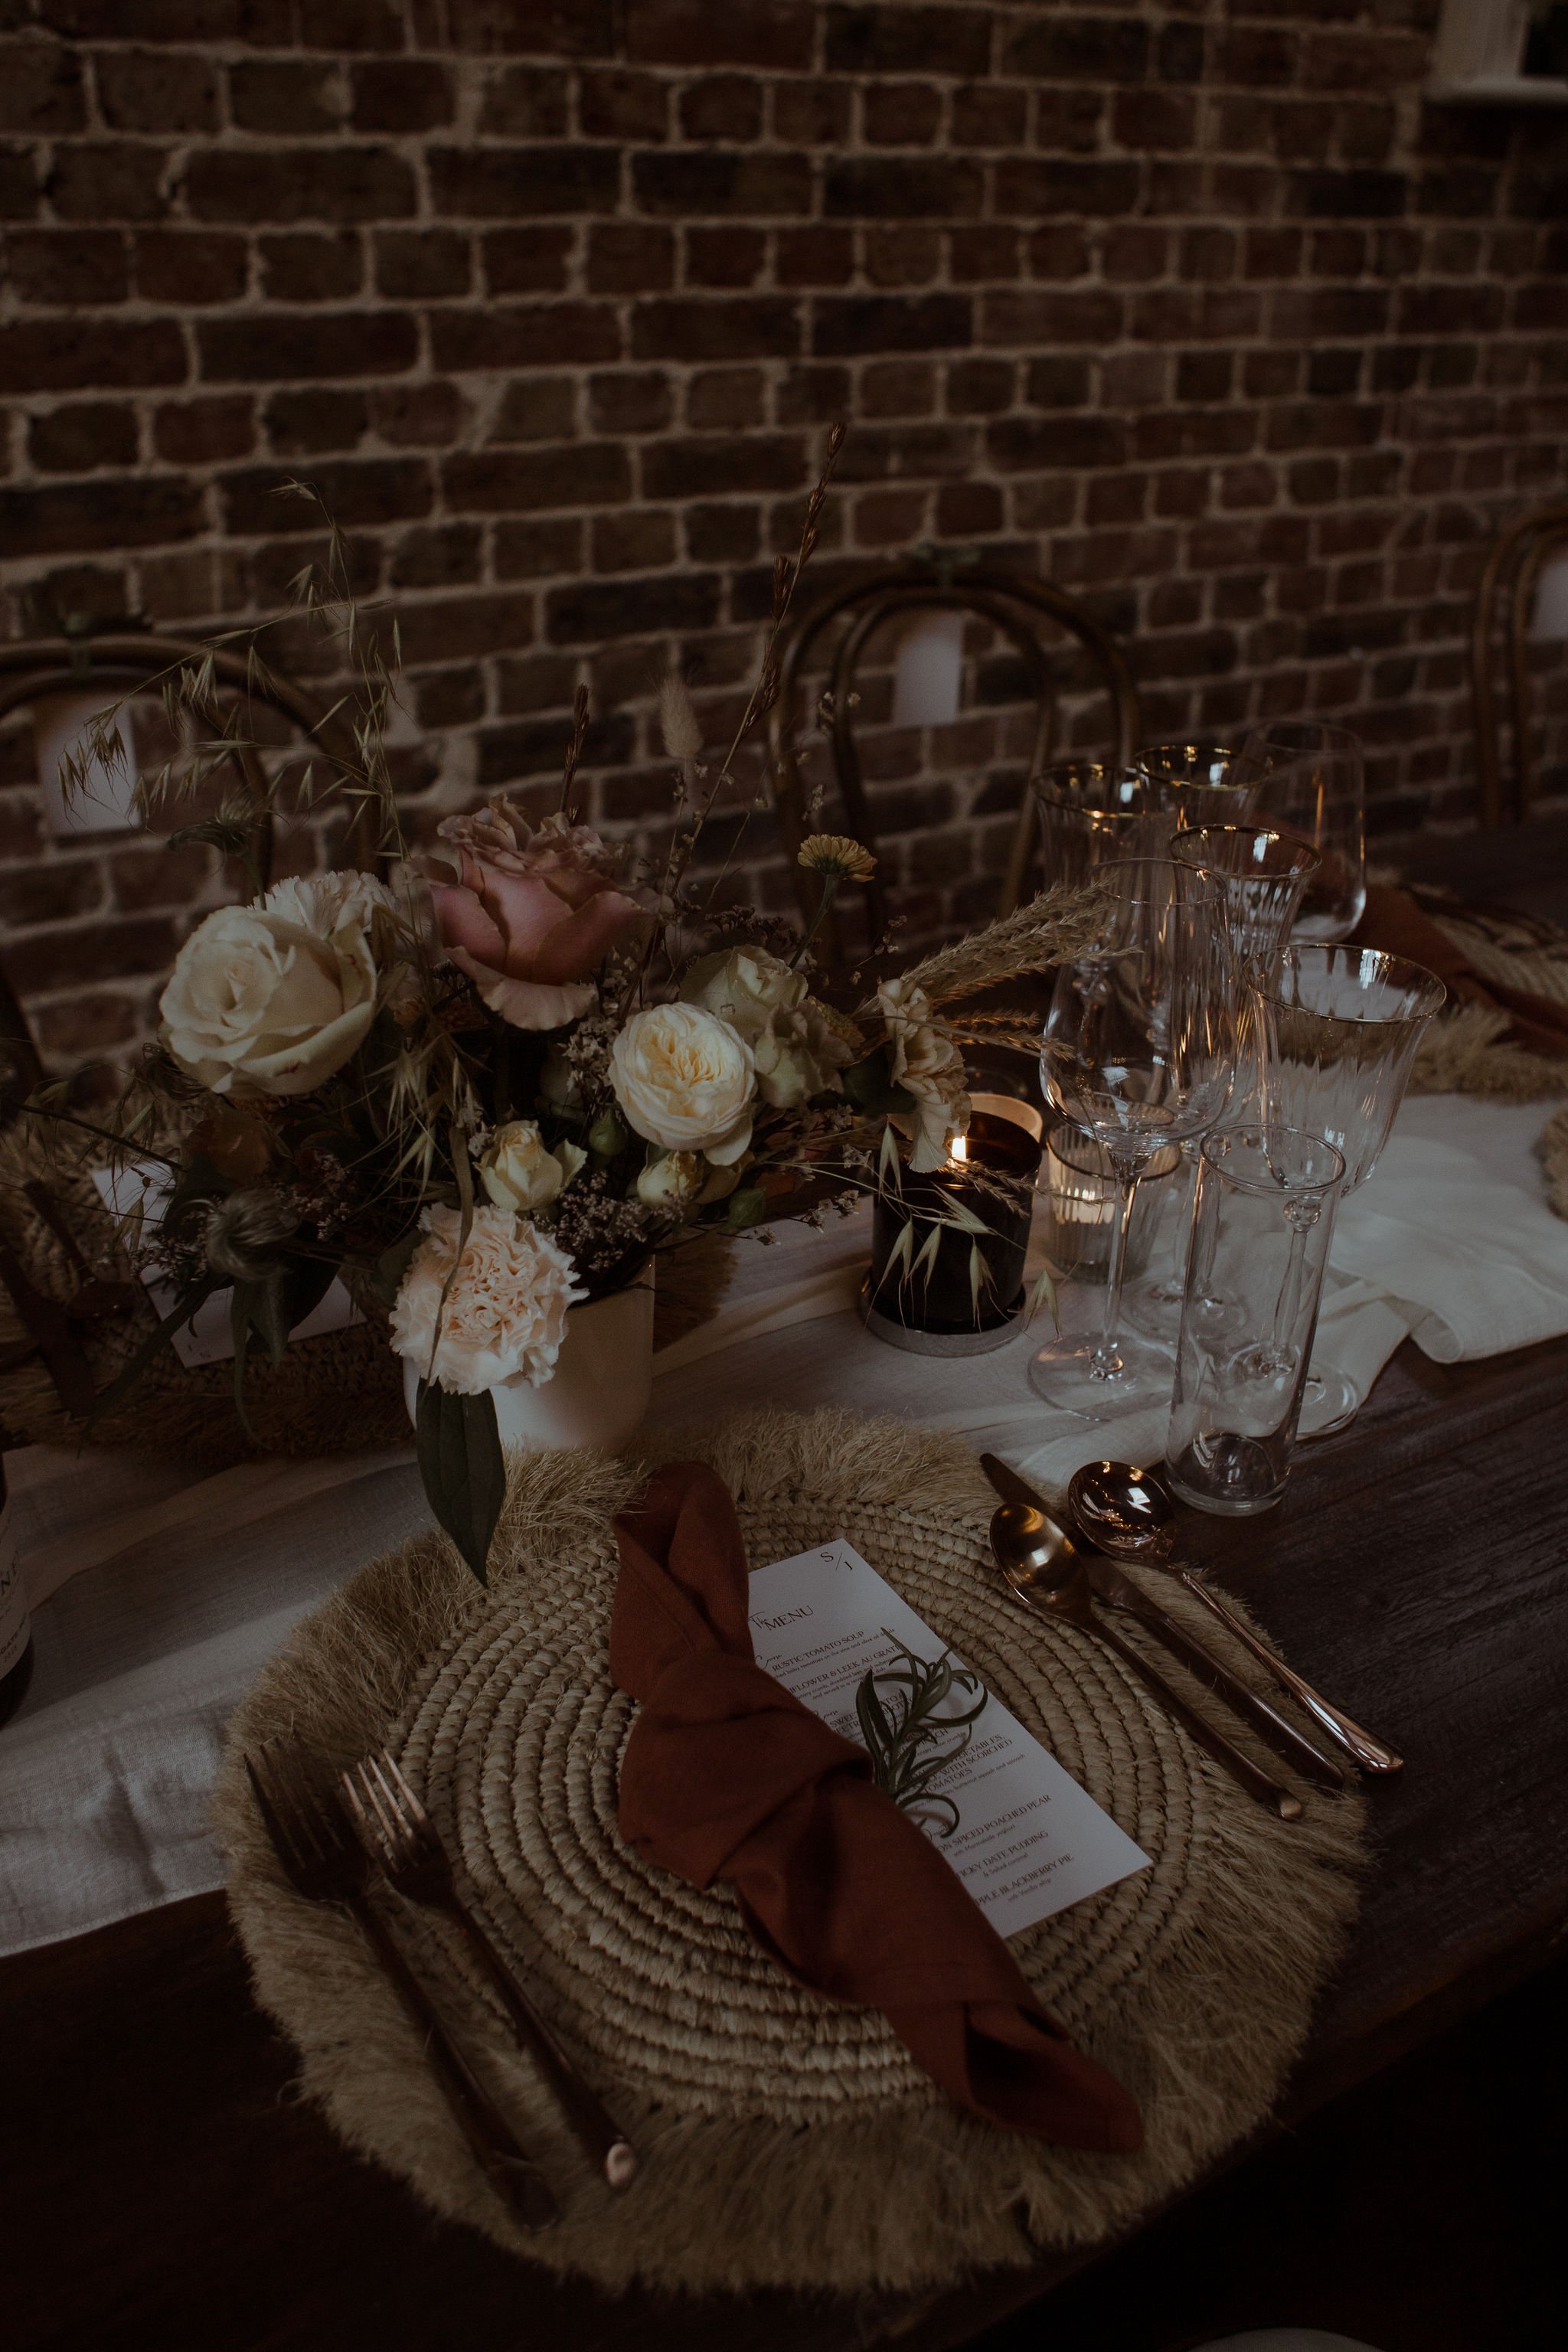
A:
x: 14, y: 1623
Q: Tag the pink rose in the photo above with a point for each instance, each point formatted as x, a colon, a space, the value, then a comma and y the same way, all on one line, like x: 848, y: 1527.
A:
x: 532, y: 913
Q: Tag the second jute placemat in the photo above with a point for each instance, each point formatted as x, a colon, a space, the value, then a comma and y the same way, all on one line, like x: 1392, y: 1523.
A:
x: 785, y: 2141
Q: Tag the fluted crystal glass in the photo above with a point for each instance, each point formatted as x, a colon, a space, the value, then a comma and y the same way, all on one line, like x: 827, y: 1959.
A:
x: 1339, y: 1028
x: 1090, y: 814
x: 1260, y: 875
x: 1313, y: 785
x: 1138, y: 1051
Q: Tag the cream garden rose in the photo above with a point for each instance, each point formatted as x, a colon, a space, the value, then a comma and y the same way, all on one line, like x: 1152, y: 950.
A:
x: 928, y: 1066
x: 520, y: 1170
x: 685, y: 1080
x: 272, y: 998
x: 673, y: 1180
x: 505, y: 1314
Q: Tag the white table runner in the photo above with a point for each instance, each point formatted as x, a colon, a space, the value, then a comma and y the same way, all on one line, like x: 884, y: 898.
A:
x: 159, y: 1592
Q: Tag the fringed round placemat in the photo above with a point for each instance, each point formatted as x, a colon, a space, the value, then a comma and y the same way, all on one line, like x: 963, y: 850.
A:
x: 783, y: 2140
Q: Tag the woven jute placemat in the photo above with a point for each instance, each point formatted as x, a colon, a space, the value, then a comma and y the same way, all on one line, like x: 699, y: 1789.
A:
x: 784, y: 2140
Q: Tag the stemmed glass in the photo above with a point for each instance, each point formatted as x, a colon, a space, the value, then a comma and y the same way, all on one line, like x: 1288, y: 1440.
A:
x: 1090, y: 814
x: 1260, y: 876
x: 1205, y: 782
x: 1138, y: 1050
x: 1313, y: 785
x: 1339, y: 1027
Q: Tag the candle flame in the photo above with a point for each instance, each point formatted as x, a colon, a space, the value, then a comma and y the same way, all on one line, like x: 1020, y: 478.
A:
x: 960, y: 1147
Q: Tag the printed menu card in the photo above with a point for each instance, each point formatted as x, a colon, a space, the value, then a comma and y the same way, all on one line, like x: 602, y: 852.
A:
x: 1028, y: 1842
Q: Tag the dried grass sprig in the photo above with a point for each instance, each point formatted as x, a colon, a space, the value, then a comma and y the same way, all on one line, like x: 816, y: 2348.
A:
x: 1048, y: 931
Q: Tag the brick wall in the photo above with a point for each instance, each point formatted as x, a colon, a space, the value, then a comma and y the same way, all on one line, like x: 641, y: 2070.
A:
x: 1196, y: 306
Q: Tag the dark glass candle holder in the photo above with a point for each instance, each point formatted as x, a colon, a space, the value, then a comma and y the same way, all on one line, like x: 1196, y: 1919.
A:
x: 944, y: 1290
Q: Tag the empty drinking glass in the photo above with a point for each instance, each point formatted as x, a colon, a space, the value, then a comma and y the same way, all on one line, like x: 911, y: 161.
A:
x: 1260, y: 875
x: 1090, y: 814
x: 1339, y: 1027
x: 1261, y: 1228
x: 1205, y: 782
x: 1138, y: 1050
x: 1313, y: 785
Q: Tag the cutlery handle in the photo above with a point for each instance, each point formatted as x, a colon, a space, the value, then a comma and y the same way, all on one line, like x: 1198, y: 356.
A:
x: 1369, y: 1753
x: 594, y: 2125
x: 1213, y: 1741
x: 515, y: 2179
x: 1238, y: 1697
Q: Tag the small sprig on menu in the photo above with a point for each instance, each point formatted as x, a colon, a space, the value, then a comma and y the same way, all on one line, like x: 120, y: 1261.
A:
x: 487, y: 1081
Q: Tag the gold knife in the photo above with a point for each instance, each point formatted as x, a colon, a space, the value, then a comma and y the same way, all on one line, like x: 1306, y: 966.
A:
x: 1116, y: 1591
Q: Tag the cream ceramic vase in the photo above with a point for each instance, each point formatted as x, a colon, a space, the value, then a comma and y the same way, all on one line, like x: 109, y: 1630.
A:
x: 601, y: 1386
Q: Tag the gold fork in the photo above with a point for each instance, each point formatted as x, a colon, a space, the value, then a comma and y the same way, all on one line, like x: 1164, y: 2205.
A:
x: 404, y: 1839
x: 325, y: 1863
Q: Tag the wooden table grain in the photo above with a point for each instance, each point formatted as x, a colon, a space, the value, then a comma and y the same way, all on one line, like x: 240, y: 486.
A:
x: 160, y: 2182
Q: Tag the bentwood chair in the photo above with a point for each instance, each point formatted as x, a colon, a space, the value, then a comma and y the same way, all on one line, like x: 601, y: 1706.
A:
x: 1019, y: 606
x: 1505, y: 602
x: 117, y: 664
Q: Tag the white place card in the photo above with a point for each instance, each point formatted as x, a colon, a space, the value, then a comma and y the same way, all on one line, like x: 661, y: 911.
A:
x: 1028, y: 1843
x: 208, y: 1337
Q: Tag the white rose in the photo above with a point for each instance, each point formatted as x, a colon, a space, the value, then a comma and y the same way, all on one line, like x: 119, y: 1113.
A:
x: 272, y: 998
x: 685, y: 1079
x: 928, y: 1066
x: 520, y: 1170
x: 745, y: 987
x: 505, y: 1314
x: 673, y: 1181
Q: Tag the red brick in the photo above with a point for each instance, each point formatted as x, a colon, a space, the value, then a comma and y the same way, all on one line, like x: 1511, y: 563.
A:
x: 764, y: 184
x: 107, y: 180
x: 632, y: 542
x: 1091, y: 48
x: 814, y: 257
x: 888, y: 39
x: 755, y: 327
x: 339, y: 182
x: 568, y: 29
x: 534, y: 551
x: 81, y: 437
x: 58, y: 356
x: 310, y: 269
x: 812, y: 113
x: 156, y: 91
x: 586, y: 473
x: 401, y: 94
x: 850, y: 324
x: 302, y: 424
x: 286, y: 345
x: 624, y: 106
x: 778, y: 33
x: 202, y: 432
x: 528, y: 261
x: 286, y: 97
x: 419, y: 416
x: 537, y: 408
x: 125, y: 510
x: 455, y: 628
x: 699, y: 468
x: 423, y: 264
x: 901, y: 256
x: 526, y: 102
x: 727, y: 106
x: 517, y: 183
x: 193, y: 267
x: 724, y: 256
x: 67, y: 267
x: 901, y: 113
x: 517, y: 335
x: 354, y: 490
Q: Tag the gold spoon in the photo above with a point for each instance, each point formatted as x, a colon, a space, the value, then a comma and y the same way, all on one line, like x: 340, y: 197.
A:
x: 1128, y: 1513
x: 1041, y: 1563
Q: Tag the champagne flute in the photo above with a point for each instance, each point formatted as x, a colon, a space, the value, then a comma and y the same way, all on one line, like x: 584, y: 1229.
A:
x: 1138, y: 1051
x: 1260, y: 876
x: 1339, y: 1028
x: 1313, y: 785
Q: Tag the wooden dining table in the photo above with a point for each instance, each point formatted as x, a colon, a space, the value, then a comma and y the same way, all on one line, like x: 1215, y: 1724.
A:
x: 160, y: 2182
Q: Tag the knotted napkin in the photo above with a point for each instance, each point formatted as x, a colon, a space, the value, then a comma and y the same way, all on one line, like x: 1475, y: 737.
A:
x: 727, y: 1777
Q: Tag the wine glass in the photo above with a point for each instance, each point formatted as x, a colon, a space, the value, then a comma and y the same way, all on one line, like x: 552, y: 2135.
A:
x: 1260, y: 875
x: 1090, y: 813
x: 1205, y: 782
x: 1138, y: 1051
x: 1313, y: 785
x: 1339, y: 1028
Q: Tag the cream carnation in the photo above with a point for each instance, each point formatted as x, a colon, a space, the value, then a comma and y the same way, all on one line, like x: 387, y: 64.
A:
x: 928, y: 1066
x: 685, y: 1080
x: 796, y: 1051
x: 272, y: 998
x: 505, y: 1315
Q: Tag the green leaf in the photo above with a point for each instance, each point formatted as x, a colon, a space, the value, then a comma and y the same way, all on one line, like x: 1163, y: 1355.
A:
x: 292, y: 1291
x: 391, y: 1266
x: 747, y: 1207
x: 125, y: 1381
x: 463, y: 1468
x: 870, y: 1085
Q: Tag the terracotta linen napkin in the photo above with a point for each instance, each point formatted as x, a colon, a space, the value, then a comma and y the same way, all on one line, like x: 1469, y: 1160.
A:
x: 1395, y: 924
x: 727, y: 1776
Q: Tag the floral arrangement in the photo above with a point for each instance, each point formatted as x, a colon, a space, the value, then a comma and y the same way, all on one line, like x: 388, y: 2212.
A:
x: 487, y: 1083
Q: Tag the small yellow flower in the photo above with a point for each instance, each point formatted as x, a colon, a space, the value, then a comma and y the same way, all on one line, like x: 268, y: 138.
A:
x: 838, y: 856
